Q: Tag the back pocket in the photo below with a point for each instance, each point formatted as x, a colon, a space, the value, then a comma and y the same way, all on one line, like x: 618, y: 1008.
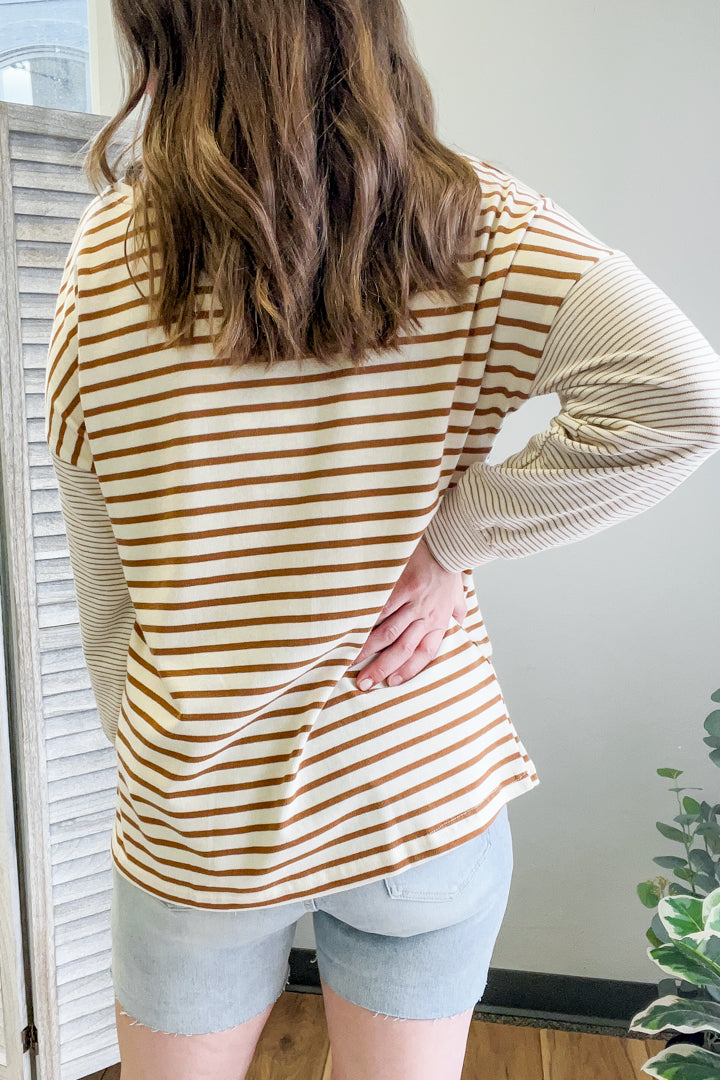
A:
x: 443, y: 877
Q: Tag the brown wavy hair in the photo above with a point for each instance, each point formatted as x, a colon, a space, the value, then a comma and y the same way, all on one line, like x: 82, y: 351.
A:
x: 288, y: 152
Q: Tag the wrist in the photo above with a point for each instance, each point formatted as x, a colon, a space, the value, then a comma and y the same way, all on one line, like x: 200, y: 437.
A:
x: 439, y: 565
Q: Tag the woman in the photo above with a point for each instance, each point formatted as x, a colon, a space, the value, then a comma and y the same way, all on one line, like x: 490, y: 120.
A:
x: 284, y: 344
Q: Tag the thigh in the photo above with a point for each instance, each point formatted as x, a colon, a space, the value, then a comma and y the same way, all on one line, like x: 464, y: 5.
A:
x: 419, y: 945
x: 186, y: 971
x: 368, y: 1045
x: 146, y: 1054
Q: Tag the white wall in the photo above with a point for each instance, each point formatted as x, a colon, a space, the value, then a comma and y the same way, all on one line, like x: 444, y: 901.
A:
x: 607, y: 650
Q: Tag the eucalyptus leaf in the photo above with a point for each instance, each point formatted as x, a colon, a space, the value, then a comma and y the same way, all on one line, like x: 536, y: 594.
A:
x: 684, y: 1061
x: 671, y: 773
x: 712, y: 722
x: 715, y: 696
x: 669, y: 832
x: 670, y: 862
x: 710, y: 833
x: 691, y: 806
x: 712, y: 740
x: 715, y: 757
x: 681, y: 1014
x: 701, y: 861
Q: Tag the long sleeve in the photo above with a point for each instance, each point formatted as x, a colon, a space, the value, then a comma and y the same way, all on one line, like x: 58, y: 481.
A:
x: 639, y: 388
x: 105, y: 608
x: 106, y: 611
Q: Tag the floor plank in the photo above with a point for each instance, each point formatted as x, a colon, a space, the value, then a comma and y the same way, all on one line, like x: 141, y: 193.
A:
x: 294, y: 1044
x: 502, y: 1052
x: 566, y: 1055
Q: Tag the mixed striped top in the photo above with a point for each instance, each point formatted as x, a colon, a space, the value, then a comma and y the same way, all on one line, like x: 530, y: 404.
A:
x: 234, y: 535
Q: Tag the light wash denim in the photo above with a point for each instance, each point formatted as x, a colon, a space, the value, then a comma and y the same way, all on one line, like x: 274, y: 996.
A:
x: 414, y: 946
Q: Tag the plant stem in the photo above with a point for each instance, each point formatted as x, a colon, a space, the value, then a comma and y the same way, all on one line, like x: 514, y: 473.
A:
x: 687, y: 841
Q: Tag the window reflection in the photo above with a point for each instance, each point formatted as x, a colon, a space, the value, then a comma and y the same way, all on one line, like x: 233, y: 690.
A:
x: 44, y: 54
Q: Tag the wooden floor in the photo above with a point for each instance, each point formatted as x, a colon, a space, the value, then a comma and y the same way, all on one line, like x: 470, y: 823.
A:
x: 294, y: 1046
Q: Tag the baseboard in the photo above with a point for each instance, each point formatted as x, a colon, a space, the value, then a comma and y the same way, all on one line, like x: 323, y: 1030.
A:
x: 532, y: 998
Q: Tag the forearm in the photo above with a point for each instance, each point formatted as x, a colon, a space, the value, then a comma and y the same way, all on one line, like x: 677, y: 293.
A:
x: 105, y: 608
x: 640, y: 394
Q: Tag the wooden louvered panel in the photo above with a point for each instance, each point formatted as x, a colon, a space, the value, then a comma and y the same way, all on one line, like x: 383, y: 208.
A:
x: 72, y: 765
x: 13, y: 1011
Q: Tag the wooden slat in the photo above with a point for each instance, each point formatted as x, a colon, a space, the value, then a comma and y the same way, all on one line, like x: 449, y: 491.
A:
x: 42, y: 476
x: 61, y: 660
x: 48, y: 255
x: 45, y: 230
x: 37, y: 332
x: 39, y: 279
x: 97, y: 793
x: 48, y: 525
x: 66, y: 681
x: 34, y: 306
x: 46, y: 501
x: 46, y: 176
x: 34, y: 126
x: 53, y: 592
x: 98, y: 798
x: 39, y: 205
x: 58, y: 637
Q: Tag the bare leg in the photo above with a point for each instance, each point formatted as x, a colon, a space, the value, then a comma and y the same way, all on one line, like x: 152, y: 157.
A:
x: 154, y: 1055
x: 370, y: 1046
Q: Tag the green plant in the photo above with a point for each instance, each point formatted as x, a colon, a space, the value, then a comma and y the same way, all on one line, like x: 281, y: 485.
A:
x: 685, y: 934
x: 692, y: 952
x: 698, y: 869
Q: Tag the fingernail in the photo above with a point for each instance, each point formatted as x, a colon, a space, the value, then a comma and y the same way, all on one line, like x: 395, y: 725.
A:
x: 394, y: 680
x: 365, y: 684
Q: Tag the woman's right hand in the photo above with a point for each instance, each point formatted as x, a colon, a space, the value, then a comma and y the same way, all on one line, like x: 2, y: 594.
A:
x: 414, y: 621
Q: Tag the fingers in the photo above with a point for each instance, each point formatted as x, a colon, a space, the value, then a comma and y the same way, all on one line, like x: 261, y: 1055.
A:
x: 385, y: 633
x: 409, y: 655
x: 410, y: 628
x: 426, y: 650
x: 459, y: 612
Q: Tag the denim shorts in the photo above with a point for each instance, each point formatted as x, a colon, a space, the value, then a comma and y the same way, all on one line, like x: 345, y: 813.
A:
x: 414, y: 946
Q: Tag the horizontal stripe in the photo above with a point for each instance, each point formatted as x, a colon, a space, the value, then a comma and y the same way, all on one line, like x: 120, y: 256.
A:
x: 235, y: 534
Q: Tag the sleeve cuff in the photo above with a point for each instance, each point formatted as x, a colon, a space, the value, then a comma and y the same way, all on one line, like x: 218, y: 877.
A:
x: 453, y: 538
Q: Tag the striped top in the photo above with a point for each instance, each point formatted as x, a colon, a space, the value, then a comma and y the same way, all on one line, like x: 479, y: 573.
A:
x: 234, y: 535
